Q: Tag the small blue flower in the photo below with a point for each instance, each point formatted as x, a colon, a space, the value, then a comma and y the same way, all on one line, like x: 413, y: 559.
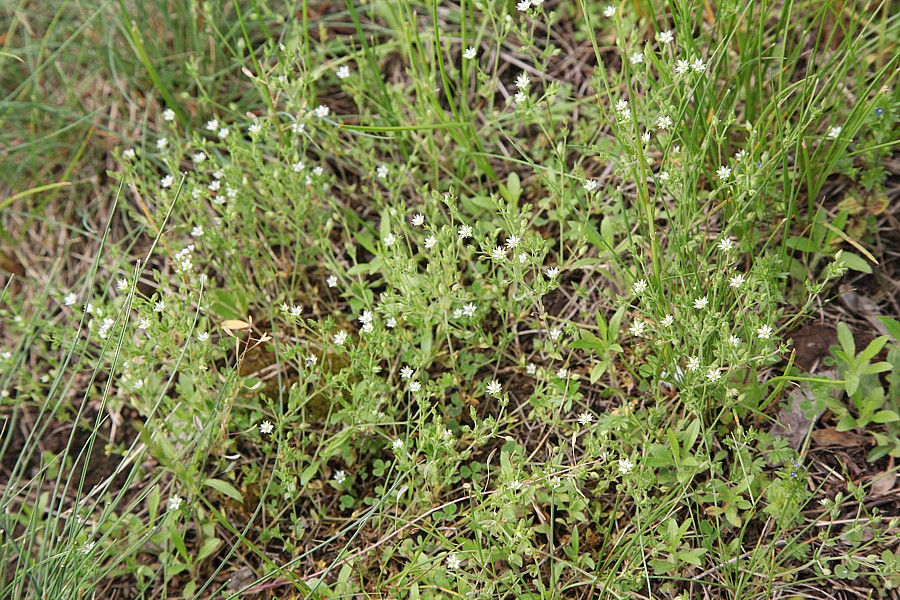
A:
x: 879, y: 111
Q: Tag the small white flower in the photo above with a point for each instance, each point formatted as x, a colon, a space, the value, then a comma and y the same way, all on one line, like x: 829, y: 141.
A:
x: 470, y: 53
x: 469, y: 309
x: 415, y: 387
x: 128, y: 153
x: 254, y: 128
x: 318, y: 171
x: 298, y: 127
x: 520, y: 98
x: 224, y: 133
x: 175, y: 502
x: 297, y: 166
x: 212, y: 125
x: 340, y: 337
x: 664, y: 122
x: 523, y: 258
x: 552, y: 272
x: 701, y: 303
x: 682, y: 66
x: 266, y: 427
x: 737, y: 281
x: 159, y: 306
x: 713, y: 374
x: 198, y: 158
x: 322, y: 111
x: 430, y: 241
x: 665, y: 37
x: 645, y: 137
x: 833, y: 132
x: 637, y: 328
x: 494, y: 388
x: 639, y: 287
x: 726, y: 244
x: 397, y: 445
x: 343, y: 72
x: 764, y: 332
x: 203, y: 336
x: 609, y: 12
x: 668, y: 320
x: 693, y: 363
x: 418, y: 220
x: 555, y: 482
x: 734, y: 340
x: 637, y: 58
x: 522, y: 81
x: 389, y: 240
x: 161, y: 143
x: 555, y: 333
x: 122, y: 285
x: 311, y: 361
x: 390, y: 323
x: 498, y: 253
x: 381, y: 172
x: 740, y: 154
x: 512, y: 242
x: 340, y: 477
x: 590, y: 185
x: 332, y: 281
x: 139, y: 384
x: 723, y: 172
x: 515, y: 484
x: 698, y: 66
x: 464, y: 232
x: 143, y: 323
x: 70, y: 299
x: 168, y: 115
x: 625, y: 466
x: 453, y: 562
x: 562, y: 373
x: 664, y: 176
x: 296, y: 310
x: 406, y: 372
x: 167, y: 181
x: 585, y: 418
x: 531, y: 369
x: 523, y: 5
x: 197, y: 231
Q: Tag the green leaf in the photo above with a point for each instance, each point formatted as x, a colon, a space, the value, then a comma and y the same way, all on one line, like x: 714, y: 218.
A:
x: 846, y: 423
x: 224, y: 487
x: 845, y: 337
x: 885, y: 416
x: 513, y: 187
x: 892, y: 326
x: 615, y: 324
x: 308, y: 473
x: 855, y: 262
x: 598, y: 370
x: 802, y: 244
x: 589, y: 341
x: 873, y: 348
x: 208, y: 548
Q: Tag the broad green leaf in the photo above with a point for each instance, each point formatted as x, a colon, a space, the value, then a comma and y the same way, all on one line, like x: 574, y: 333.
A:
x: 224, y: 487
x: 885, y: 416
x: 855, y: 262
x: 208, y: 548
x: 892, y: 326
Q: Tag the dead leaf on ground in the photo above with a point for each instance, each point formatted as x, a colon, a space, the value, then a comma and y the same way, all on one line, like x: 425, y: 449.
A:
x: 883, y: 483
x: 831, y: 437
